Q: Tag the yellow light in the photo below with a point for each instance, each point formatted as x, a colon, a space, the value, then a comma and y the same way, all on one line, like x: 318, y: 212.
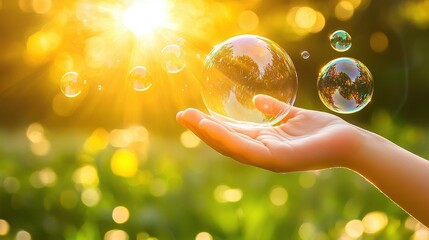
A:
x: 307, y: 180
x: 87, y: 176
x: 116, y: 234
x: 344, y: 10
x: 98, y: 140
x: 144, y: 17
x: 248, y: 20
x: 421, y: 234
x: 42, y: 6
x: 90, y: 197
x: 189, y: 139
x: 23, y: 235
x: 378, y: 42
x: 373, y: 222
x: 203, y: 236
x: 278, y: 196
x: 224, y: 194
x: 158, y: 188
x: 120, y: 214
x: 124, y: 163
x: 305, y: 17
x: 4, y: 227
x: 354, y: 228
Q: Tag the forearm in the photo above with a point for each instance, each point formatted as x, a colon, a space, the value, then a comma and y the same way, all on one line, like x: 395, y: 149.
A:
x: 400, y: 174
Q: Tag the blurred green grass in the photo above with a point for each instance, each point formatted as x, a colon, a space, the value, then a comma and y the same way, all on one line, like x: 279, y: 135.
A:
x: 177, y: 193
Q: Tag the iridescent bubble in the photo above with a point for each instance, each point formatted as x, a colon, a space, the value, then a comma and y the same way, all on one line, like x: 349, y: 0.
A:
x: 71, y: 84
x: 305, y: 54
x: 180, y: 41
x: 340, y: 40
x: 173, y: 58
x: 345, y: 85
x: 139, y: 79
x: 239, y: 70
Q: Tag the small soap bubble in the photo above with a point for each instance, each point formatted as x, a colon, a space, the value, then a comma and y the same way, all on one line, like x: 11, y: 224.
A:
x: 345, y: 85
x: 139, y: 79
x: 173, y: 58
x: 340, y: 40
x: 249, y: 81
x: 305, y: 54
x: 99, y: 87
x: 71, y: 84
x: 180, y: 41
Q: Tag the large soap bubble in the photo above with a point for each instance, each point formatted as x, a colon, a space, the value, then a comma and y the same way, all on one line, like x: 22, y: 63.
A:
x: 239, y: 69
x: 345, y: 85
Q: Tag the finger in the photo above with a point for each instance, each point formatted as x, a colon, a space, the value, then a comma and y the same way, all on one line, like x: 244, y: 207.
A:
x: 190, y: 119
x: 240, y: 148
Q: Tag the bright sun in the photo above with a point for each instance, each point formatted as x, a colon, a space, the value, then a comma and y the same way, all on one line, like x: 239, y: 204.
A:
x: 145, y: 16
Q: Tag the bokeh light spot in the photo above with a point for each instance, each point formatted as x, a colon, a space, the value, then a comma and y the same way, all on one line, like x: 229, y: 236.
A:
x: 354, y: 228
x: 90, y: 197
x: 307, y: 179
x: 4, y: 227
x: 305, y: 17
x: 189, y: 139
x: 98, y: 141
x: 223, y: 194
x: 35, y: 132
x: 344, y: 10
x: 87, y: 176
x: 43, y: 178
x: 116, y: 234
x: 158, y: 187
x: 42, y: 6
x: 248, y: 20
x: 374, y: 222
x: 23, y: 235
x: 124, y: 163
x: 204, y: 236
x: 378, y: 42
x: 307, y: 231
x: 11, y: 184
x: 120, y: 214
x: 278, y: 196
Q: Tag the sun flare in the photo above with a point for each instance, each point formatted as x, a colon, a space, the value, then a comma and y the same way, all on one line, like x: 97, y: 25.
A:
x: 144, y: 17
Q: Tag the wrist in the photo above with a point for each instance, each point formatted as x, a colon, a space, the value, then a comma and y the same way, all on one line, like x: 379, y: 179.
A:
x: 367, y: 143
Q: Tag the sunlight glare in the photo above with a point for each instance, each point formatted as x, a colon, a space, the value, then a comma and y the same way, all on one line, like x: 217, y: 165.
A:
x: 144, y: 17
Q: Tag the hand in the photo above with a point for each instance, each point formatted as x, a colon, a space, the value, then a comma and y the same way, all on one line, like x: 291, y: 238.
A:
x: 306, y: 140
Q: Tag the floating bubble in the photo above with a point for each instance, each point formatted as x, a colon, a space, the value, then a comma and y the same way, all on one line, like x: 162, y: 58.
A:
x: 99, y: 87
x: 139, y: 78
x: 305, y: 54
x: 173, y: 58
x: 71, y: 84
x: 341, y: 41
x: 345, y: 85
x: 241, y: 68
x: 180, y: 41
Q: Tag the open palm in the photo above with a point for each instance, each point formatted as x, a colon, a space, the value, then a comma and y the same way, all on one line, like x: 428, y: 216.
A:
x: 305, y: 140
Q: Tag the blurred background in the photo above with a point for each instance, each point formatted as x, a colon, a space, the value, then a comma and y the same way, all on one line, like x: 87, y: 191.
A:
x: 112, y: 163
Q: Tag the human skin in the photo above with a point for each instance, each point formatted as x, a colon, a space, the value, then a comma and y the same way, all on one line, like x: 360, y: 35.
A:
x: 310, y: 140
